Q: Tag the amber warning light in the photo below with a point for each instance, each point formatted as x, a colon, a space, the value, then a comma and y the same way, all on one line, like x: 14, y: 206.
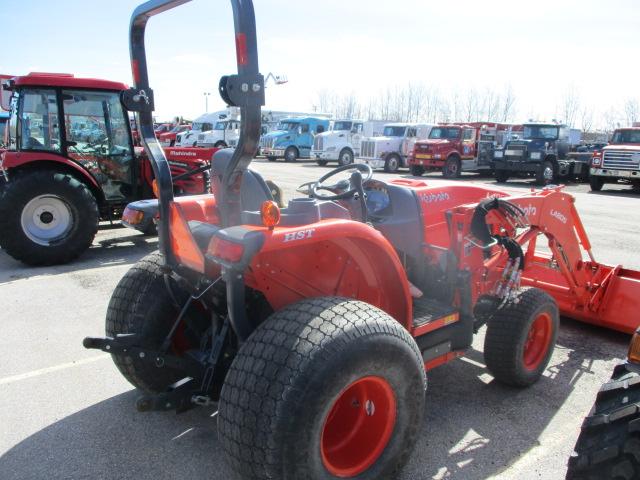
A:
x: 270, y: 214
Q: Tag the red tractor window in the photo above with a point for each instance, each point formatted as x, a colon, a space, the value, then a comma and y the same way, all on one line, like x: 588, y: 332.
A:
x: 39, y: 128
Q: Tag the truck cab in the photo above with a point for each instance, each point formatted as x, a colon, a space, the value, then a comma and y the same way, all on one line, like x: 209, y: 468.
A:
x: 293, y: 138
x: 618, y: 162
x: 391, y: 150
x: 225, y: 133
x: 341, y: 143
x: 541, y: 152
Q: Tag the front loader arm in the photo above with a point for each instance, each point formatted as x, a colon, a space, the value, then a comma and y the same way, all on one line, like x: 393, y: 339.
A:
x: 584, y: 289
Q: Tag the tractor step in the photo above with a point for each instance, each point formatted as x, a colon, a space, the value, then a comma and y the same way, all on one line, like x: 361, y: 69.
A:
x: 426, y: 310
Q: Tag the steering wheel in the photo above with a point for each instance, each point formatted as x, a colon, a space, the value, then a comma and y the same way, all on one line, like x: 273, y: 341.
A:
x: 359, y: 168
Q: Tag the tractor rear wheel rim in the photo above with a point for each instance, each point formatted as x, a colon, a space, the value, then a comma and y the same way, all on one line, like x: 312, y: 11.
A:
x: 537, y: 342
x: 46, y: 219
x: 358, y: 427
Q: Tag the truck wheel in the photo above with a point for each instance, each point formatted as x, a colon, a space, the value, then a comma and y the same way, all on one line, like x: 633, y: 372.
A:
x: 324, y: 388
x: 322, y: 163
x: 609, y: 441
x: 520, y: 338
x: 501, y: 176
x: 451, y: 167
x: 290, y: 154
x: 596, y: 183
x: 345, y: 157
x: 47, y: 218
x: 272, y: 159
x: 544, y: 175
x: 140, y: 304
x: 220, y: 144
x: 392, y: 163
x: 416, y: 170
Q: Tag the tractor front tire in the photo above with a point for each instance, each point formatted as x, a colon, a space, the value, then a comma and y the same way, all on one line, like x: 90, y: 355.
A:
x: 324, y: 388
x: 141, y: 304
x: 609, y: 441
x: 520, y: 338
x: 416, y: 170
x: 47, y: 217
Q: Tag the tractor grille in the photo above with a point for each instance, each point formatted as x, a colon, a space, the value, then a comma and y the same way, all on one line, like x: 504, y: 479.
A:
x: 368, y: 149
x: 621, y: 160
x: 318, y: 142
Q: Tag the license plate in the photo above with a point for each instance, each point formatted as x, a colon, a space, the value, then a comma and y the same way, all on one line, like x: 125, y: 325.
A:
x: 513, y: 152
x: 424, y: 155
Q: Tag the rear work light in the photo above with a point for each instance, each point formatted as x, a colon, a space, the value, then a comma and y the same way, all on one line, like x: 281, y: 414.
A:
x: 132, y: 217
x: 270, y: 214
x: 226, y: 250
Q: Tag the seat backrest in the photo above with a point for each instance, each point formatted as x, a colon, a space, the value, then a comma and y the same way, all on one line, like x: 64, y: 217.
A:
x: 253, y: 189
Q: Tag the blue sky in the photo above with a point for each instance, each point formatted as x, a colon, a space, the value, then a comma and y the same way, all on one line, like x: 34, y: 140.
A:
x: 540, y: 48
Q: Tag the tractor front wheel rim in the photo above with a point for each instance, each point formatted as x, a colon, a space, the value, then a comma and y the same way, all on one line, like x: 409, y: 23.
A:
x: 46, y: 219
x: 537, y: 342
x: 358, y: 427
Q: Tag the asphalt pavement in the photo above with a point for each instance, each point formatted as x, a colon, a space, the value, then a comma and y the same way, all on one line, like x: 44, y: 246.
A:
x: 66, y: 413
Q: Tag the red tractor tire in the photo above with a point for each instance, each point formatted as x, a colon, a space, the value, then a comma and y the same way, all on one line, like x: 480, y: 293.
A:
x: 520, y: 338
x: 47, y: 217
x: 609, y: 441
x: 324, y: 388
x: 141, y: 304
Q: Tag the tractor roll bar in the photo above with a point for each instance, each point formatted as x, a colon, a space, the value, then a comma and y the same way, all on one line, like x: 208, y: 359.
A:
x: 245, y: 90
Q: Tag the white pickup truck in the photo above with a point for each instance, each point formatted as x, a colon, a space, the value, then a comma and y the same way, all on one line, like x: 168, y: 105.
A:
x: 342, y: 142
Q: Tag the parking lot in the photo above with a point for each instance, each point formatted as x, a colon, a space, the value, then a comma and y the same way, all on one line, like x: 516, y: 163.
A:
x: 66, y: 412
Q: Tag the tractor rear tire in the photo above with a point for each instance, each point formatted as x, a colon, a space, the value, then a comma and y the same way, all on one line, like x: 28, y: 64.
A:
x: 452, y: 167
x: 324, y: 388
x: 416, y: 170
x: 502, y: 176
x: 141, y: 304
x: 520, y: 338
x: 47, y: 218
x: 596, y: 183
x: 609, y: 441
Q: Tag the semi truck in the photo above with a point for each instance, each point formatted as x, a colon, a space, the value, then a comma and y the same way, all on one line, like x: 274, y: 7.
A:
x: 293, y: 138
x: 459, y: 147
x: 618, y: 162
x: 225, y: 133
x: 342, y: 142
x: 391, y: 150
x: 542, y: 152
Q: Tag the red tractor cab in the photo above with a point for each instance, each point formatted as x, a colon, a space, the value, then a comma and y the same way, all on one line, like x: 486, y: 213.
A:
x: 71, y: 161
x: 313, y: 327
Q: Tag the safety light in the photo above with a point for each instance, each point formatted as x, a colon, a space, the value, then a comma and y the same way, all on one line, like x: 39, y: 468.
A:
x: 226, y: 249
x: 634, y: 347
x: 132, y: 217
x: 270, y: 214
x: 154, y: 187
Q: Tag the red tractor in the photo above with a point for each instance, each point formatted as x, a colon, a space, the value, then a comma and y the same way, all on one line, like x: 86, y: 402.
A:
x: 71, y: 162
x: 313, y: 326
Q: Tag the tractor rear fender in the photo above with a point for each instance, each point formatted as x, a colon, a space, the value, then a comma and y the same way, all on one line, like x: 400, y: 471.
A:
x: 16, y: 162
x: 330, y: 258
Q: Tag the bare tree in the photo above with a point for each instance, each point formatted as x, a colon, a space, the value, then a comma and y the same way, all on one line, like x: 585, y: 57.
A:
x: 586, y: 119
x: 508, y: 104
x: 632, y: 110
x: 570, y: 105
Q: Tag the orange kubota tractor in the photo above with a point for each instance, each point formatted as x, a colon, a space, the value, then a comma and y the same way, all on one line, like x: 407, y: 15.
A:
x: 313, y: 326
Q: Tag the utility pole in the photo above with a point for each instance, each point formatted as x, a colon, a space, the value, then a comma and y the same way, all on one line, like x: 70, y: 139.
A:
x: 206, y: 101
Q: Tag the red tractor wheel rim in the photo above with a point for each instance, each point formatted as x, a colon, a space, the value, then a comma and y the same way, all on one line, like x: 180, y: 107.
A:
x: 537, y: 343
x: 358, y: 427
